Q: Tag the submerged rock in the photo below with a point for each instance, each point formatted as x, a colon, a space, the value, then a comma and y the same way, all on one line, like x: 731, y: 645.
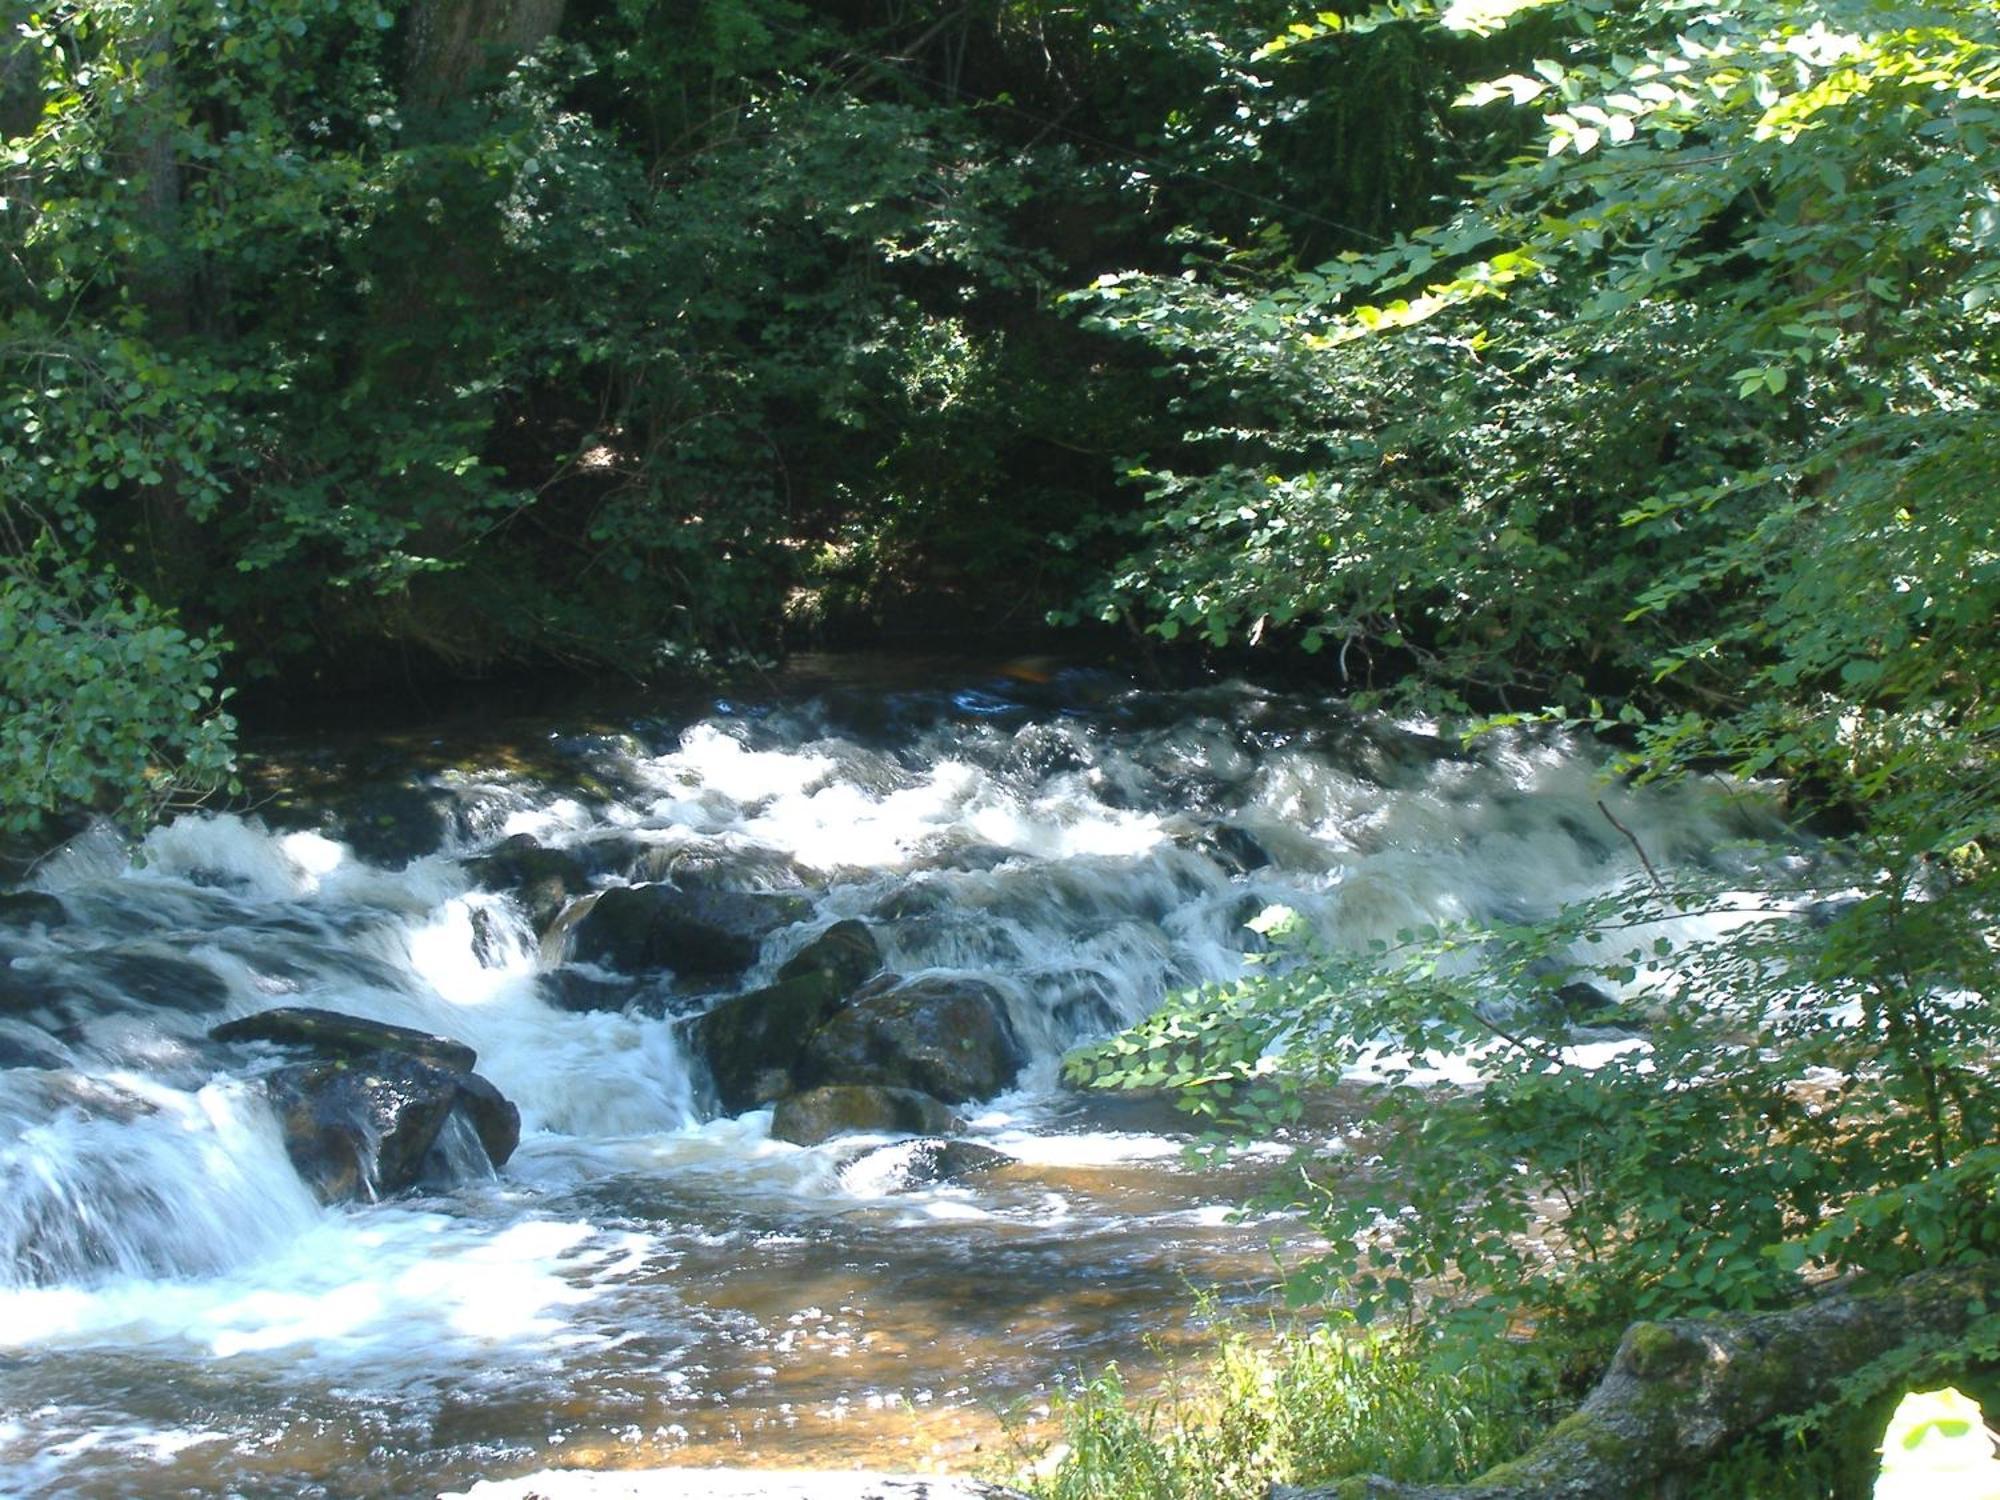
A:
x: 844, y: 1108
x: 574, y: 990
x: 387, y: 823
x: 334, y: 1035
x: 155, y: 977
x: 946, y: 1037
x: 57, y: 991
x: 909, y: 1165
x: 29, y: 1047
x: 636, y: 928
x: 752, y: 1043
x: 31, y: 909
x: 713, y: 867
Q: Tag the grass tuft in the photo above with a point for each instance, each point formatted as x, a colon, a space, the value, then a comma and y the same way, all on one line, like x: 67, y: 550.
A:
x: 1315, y: 1404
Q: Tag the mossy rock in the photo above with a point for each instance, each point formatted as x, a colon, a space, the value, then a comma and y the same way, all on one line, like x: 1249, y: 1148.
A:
x: 946, y: 1037
x: 846, y: 952
x: 859, y: 1109
x: 751, y: 1043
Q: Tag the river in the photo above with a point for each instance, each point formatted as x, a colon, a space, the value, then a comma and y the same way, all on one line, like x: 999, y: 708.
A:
x: 649, y: 1281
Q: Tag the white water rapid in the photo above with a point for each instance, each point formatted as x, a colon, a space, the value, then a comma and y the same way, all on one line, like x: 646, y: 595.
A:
x: 647, y: 1281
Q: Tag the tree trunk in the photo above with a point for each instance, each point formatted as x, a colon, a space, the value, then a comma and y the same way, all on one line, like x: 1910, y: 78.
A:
x: 160, y: 272
x: 20, y: 94
x: 1678, y: 1394
x: 454, y: 42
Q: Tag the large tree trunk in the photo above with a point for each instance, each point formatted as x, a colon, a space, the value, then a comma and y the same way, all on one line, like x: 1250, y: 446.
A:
x: 453, y: 43
x: 1680, y: 1393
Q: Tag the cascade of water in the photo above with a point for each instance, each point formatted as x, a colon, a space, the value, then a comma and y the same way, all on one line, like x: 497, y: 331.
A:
x: 1083, y: 857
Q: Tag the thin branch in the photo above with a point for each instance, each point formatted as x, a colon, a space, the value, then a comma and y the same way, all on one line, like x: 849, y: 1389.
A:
x: 1659, y: 885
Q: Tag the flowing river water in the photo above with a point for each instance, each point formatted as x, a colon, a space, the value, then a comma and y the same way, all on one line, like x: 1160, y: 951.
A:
x: 648, y: 1281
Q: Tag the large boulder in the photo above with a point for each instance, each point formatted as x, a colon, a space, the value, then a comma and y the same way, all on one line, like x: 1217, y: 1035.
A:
x: 636, y: 928
x: 751, y: 1043
x: 367, y: 1128
x: 335, y: 1036
x: 846, y: 951
x: 542, y: 880
x: 946, y: 1037
x: 847, y: 1108
x: 361, y: 1130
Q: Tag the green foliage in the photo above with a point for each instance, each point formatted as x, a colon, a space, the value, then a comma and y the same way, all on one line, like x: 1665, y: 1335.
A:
x: 1751, y: 264
x: 370, y: 335
x: 107, y: 702
x: 1316, y: 1404
x: 1794, y: 1094
x: 1687, y: 413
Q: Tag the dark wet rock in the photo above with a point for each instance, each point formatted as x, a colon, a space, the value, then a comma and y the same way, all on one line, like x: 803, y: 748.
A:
x: 367, y: 1127
x: 710, y: 867
x: 1581, y: 1001
x: 946, y: 1037
x: 361, y: 1129
x: 93, y: 1098
x: 389, y: 825
x: 841, y: 1109
x: 154, y: 977
x: 846, y: 952
x: 701, y: 932
x: 751, y: 1043
x: 31, y: 909
x: 921, y: 898
x: 1235, y: 849
x: 908, y: 1165
x: 336, y: 1036
x: 573, y: 990
x: 491, y: 941
x: 543, y: 881
x: 27, y: 1048
x: 494, y: 1117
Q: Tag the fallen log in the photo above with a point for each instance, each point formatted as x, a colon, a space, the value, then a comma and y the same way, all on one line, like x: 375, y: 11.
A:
x: 1679, y: 1393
